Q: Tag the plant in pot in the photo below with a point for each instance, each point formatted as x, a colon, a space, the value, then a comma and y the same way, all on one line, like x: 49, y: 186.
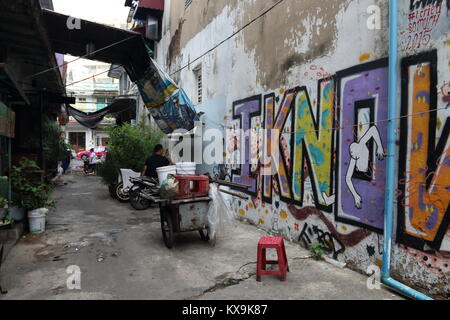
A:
x: 37, y: 203
x: 34, y: 195
x: 3, y: 207
x: 4, y: 221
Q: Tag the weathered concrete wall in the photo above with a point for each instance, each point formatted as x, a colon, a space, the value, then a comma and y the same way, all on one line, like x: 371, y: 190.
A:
x: 317, y: 72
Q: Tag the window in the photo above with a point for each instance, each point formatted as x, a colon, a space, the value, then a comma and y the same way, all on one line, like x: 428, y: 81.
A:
x: 101, y: 103
x: 78, y: 140
x: 187, y: 3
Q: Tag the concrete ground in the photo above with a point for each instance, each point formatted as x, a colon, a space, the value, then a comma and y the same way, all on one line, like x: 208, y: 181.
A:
x: 122, y: 256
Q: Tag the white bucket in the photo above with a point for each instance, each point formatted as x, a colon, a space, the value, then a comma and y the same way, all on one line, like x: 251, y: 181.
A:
x: 163, y: 172
x: 186, y: 168
x: 36, y: 219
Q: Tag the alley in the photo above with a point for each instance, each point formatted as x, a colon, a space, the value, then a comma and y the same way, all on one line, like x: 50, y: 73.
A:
x: 122, y: 256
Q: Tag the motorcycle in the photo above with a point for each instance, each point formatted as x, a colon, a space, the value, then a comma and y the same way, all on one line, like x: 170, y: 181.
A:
x: 122, y: 189
x: 88, y: 168
x: 142, y: 192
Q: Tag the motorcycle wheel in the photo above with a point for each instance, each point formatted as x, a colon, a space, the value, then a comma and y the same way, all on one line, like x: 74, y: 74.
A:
x: 120, y: 195
x: 137, y: 202
x: 88, y: 170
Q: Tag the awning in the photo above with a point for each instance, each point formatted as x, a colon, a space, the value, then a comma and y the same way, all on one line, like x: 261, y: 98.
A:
x: 129, y: 50
x: 93, y: 119
x: 23, y: 33
x: 9, y: 86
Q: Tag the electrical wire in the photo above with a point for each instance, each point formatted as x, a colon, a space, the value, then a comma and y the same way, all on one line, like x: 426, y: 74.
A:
x: 93, y: 76
x: 369, y: 123
x: 349, y: 126
x: 231, y: 36
x: 82, y: 57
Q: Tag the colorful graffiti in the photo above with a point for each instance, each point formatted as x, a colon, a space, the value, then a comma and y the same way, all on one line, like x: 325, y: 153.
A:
x: 332, y: 155
x: 423, y: 18
x: 424, y: 210
x: 363, y: 102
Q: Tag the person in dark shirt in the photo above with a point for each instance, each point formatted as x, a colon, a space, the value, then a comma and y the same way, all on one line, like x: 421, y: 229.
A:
x: 157, y: 160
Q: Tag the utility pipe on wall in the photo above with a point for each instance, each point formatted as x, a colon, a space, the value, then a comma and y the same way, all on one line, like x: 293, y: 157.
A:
x: 390, y: 176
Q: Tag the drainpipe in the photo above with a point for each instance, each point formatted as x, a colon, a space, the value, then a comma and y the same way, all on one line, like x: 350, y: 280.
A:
x: 390, y: 177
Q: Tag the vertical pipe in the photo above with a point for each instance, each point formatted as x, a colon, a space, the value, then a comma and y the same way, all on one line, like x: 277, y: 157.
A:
x: 390, y: 176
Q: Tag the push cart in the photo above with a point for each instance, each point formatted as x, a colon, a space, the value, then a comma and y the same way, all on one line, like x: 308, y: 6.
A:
x: 188, y: 212
x: 184, y: 215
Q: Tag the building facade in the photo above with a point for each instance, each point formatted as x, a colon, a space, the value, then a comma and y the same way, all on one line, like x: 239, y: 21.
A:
x: 91, y: 95
x: 318, y: 72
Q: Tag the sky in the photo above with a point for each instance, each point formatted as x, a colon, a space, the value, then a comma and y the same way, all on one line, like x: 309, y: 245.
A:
x: 101, y: 11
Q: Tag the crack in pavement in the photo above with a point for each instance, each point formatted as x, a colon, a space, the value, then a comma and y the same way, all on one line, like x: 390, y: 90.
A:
x: 234, y: 278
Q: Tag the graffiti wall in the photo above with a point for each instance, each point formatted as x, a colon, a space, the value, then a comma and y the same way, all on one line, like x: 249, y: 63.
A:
x: 306, y: 103
x: 332, y: 159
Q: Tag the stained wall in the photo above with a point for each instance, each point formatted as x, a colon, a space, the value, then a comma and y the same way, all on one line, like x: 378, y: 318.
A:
x: 318, y: 72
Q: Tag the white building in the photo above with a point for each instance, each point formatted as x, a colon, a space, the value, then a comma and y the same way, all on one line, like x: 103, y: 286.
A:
x: 92, y: 94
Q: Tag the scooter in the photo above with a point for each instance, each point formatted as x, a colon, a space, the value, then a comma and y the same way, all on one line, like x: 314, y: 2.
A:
x: 88, y: 168
x: 142, y: 192
x: 124, y: 185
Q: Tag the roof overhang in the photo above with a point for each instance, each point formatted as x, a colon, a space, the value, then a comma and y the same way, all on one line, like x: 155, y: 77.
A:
x: 24, y: 38
x: 10, y: 87
x: 124, y: 47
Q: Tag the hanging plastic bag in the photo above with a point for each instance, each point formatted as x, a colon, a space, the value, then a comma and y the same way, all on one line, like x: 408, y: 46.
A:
x: 220, y: 217
x: 169, y: 188
x: 176, y: 113
x: 156, y: 87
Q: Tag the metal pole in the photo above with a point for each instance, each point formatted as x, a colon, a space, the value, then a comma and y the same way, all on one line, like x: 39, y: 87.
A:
x: 390, y: 176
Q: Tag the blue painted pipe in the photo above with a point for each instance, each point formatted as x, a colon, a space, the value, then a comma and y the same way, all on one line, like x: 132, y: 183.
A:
x: 390, y: 176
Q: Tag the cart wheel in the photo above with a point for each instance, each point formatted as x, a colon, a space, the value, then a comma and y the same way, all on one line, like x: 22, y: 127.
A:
x: 204, y: 234
x: 167, y: 228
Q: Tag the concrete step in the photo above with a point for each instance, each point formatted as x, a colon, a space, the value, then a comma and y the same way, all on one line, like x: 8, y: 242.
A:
x: 10, y: 237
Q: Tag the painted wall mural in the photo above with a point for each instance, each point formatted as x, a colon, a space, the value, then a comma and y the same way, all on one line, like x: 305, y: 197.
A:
x: 424, y: 172
x: 423, y: 17
x: 363, y: 105
x: 332, y: 162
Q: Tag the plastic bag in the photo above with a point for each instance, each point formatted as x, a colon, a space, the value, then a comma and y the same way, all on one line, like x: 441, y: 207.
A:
x: 220, y: 217
x: 177, y: 113
x: 156, y: 87
x: 169, y: 187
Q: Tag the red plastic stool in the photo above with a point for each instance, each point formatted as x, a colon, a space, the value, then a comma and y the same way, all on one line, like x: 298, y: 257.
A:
x: 271, y: 243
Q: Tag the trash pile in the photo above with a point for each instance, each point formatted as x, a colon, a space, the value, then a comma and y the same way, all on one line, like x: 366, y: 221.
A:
x: 169, y: 105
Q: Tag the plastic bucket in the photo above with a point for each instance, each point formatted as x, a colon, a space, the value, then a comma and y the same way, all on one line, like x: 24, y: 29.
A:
x: 163, y: 172
x: 36, y: 220
x: 186, y: 168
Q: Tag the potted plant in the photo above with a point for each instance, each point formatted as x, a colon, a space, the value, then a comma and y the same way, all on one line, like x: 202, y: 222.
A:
x: 37, y: 203
x: 34, y: 195
x: 3, y: 207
